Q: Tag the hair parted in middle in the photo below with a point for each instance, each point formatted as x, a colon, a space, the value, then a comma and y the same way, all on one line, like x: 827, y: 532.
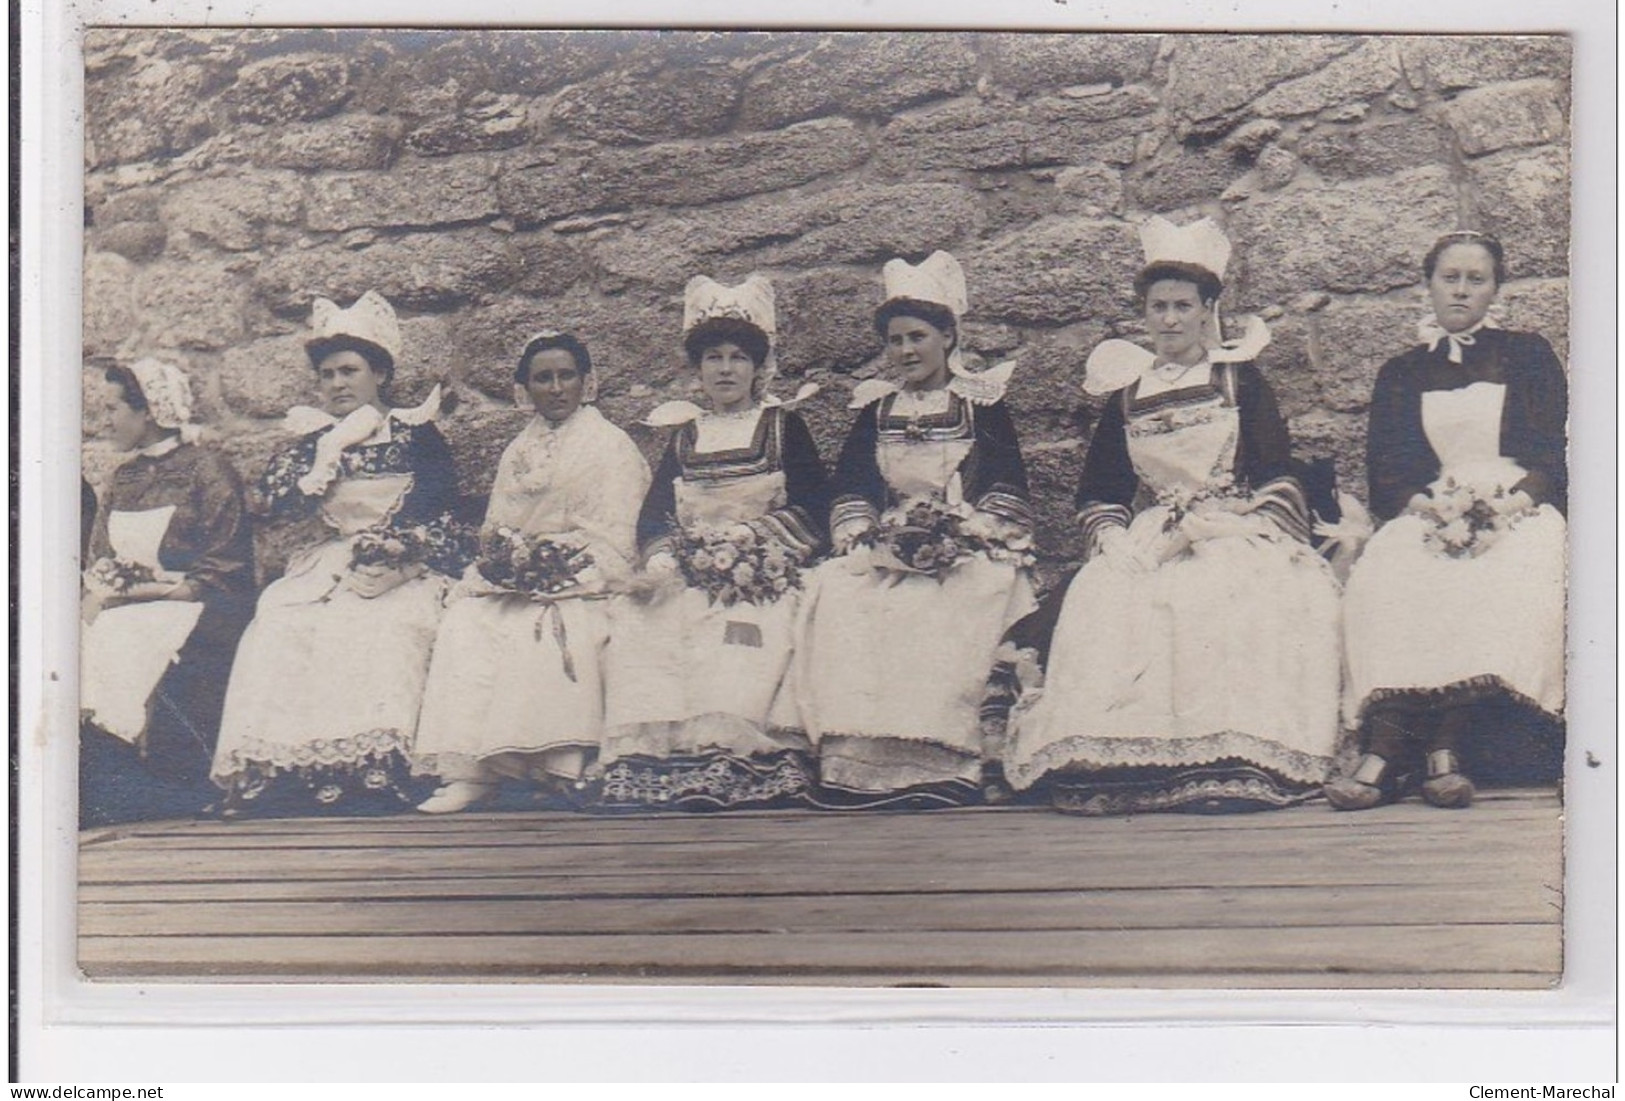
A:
x: 935, y: 314
x: 1485, y: 241
x: 549, y: 342
x: 726, y: 330
x: 1208, y: 285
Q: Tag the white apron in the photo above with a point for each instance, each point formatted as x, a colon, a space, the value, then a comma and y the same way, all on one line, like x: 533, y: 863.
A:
x: 127, y: 650
x: 1421, y: 622
x: 1227, y: 651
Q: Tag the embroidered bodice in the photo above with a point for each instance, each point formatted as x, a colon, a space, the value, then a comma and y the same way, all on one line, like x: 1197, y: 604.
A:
x: 731, y: 469
x: 922, y: 439
x: 1182, y: 438
x: 401, y: 470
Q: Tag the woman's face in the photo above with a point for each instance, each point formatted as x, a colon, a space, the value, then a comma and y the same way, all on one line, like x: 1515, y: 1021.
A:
x: 1462, y: 286
x: 919, y: 351
x: 1176, y: 318
x: 347, y: 382
x: 726, y: 376
x: 131, y: 428
x: 555, y: 384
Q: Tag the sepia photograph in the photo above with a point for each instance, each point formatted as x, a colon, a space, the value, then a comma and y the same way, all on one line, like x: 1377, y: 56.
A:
x: 875, y: 508
x: 880, y: 541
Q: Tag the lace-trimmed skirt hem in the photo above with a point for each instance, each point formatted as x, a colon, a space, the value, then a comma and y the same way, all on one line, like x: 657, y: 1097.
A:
x: 708, y: 782
x: 1222, y: 788
x: 1083, y: 754
x: 379, y: 782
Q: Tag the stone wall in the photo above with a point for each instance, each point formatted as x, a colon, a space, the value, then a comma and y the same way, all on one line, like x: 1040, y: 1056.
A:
x: 495, y: 183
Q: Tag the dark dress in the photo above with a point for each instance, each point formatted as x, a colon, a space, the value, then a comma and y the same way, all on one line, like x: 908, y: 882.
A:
x: 1465, y: 652
x: 208, y: 541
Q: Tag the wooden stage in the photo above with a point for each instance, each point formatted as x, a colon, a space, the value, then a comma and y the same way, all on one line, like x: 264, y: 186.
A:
x: 1400, y: 896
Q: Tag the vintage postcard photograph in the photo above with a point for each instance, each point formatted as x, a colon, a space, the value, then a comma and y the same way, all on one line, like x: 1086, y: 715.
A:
x: 861, y: 509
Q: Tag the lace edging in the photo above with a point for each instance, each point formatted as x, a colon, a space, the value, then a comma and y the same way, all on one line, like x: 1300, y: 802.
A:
x: 1089, y: 751
x: 358, y: 751
x: 1261, y: 791
x: 723, y: 780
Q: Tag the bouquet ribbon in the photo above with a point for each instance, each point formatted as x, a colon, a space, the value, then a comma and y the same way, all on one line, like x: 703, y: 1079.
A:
x: 561, y: 635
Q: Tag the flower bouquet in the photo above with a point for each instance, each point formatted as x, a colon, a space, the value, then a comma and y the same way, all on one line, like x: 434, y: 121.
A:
x: 530, y: 566
x: 736, y: 565
x: 118, y: 576
x: 924, y: 535
x: 1221, y: 494
x: 443, y: 545
x: 1462, y: 523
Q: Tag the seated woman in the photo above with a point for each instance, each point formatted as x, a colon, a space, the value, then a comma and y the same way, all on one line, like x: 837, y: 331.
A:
x: 699, y: 714
x: 1195, y: 663
x: 930, y: 516
x: 324, y: 695
x: 168, y: 590
x: 515, y: 688
x: 1454, y: 613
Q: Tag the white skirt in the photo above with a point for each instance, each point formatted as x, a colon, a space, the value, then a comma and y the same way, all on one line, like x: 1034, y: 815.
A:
x: 325, y: 677
x: 1425, y: 624
x: 685, y: 676
x: 511, y: 675
x: 901, y: 662
x: 1230, y: 653
x: 123, y: 656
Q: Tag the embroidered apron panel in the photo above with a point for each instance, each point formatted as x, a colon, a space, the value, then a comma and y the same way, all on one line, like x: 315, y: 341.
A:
x: 1184, y: 448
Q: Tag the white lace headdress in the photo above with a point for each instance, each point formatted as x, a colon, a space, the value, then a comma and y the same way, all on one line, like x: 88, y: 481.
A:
x: 704, y: 299
x: 939, y: 280
x: 1201, y: 245
x: 370, y: 318
x: 168, y: 394
x: 753, y: 301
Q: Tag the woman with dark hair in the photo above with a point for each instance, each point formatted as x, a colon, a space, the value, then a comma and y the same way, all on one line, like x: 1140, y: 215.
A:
x: 699, y: 712
x: 324, y: 695
x: 931, y: 518
x: 1454, y: 613
x: 515, y: 688
x: 169, y: 586
x: 1195, y: 662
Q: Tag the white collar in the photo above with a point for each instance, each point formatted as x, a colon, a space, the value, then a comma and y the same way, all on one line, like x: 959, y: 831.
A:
x: 1430, y: 332
x: 161, y: 448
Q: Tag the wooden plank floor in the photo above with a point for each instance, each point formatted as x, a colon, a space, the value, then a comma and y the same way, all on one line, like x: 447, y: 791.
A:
x: 1404, y: 895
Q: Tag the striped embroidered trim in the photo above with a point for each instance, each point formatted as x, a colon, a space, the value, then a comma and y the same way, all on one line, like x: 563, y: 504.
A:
x: 957, y: 423
x: 1095, y: 519
x: 1007, y: 503
x: 1191, y: 397
x: 1221, y: 383
x: 761, y: 457
x: 1282, y: 500
x: 851, y: 513
x: 791, y: 527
